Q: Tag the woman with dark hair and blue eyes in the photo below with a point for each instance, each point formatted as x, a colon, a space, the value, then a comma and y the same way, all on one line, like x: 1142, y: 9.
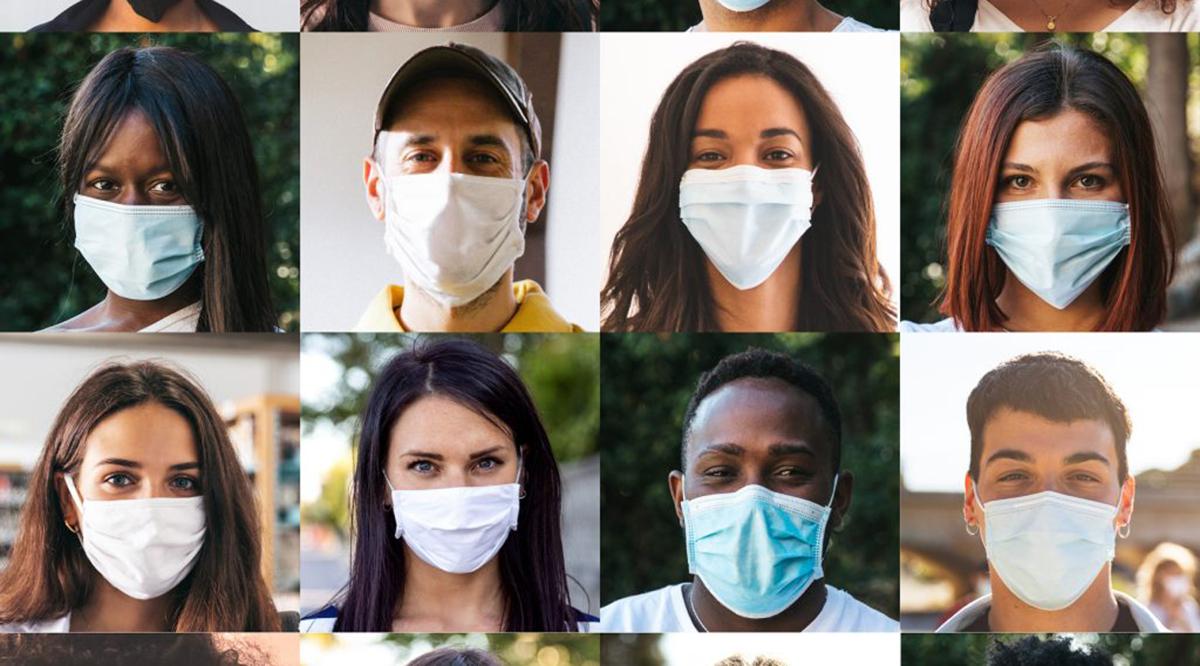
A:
x: 160, y: 186
x: 456, y: 497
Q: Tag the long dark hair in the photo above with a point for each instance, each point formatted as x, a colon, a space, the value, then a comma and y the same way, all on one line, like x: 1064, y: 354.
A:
x: 203, y: 133
x: 519, y: 15
x: 657, y: 280
x: 1037, y: 86
x: 49, y: 575
x: 125, y: 649
x: 532, y: 571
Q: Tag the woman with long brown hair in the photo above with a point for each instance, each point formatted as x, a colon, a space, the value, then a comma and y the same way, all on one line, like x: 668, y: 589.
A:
x: 753, y: 212
x: 1057, y: 218
x: 139, y: 516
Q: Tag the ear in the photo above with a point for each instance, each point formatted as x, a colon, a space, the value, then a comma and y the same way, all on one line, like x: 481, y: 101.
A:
x: 373, y: 181
x: 817, y: 192
x: 841, y: 498
x: 536, y: 189
x: 1125, y: 509
x: 971, y: 515
x: 675, y: 483
x: 65, y: 503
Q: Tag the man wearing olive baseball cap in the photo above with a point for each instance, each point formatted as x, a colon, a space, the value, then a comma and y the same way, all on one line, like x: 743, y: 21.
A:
x: 455, y: 174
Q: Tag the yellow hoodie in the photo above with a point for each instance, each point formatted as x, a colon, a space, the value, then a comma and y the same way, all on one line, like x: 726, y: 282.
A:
x: 534, y: 312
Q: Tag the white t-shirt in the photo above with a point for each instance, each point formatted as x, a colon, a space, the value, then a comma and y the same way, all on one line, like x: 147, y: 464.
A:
x: 847, y: 25
x: 664, y: 610
x: 183, y: 320
x: 946, y: 325
x: 59, y: 625
x: 1145, y: 16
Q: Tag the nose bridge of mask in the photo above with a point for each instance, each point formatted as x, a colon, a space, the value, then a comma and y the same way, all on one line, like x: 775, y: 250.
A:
x: 723, y: 497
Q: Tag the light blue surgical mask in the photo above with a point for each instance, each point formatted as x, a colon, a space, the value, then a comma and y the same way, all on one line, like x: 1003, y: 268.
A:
x: 141, y: 253
x: 757, y: 551
x: 1058, y: 247
x: 742, y: 5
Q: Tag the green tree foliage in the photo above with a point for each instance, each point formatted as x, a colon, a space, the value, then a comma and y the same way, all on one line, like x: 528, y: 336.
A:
x: 939, y: 76
x: 561, y: 371
x: 42, y: 278
x: 645, y: 387
x: 630, y: 15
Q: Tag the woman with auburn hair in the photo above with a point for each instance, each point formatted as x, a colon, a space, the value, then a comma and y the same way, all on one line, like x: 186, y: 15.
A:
x: 1057, y: 217
x: 753, y: 211
x: 139, y: 517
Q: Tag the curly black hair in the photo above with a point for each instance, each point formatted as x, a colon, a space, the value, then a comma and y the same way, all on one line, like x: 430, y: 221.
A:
x: 761, y: 363
x: 124, y: 650
x: 1053, y: 651
x: 452, y: 656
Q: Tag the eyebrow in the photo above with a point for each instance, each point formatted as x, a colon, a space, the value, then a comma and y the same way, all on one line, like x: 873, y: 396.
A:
x: 723, y: 447
x: 108, y: 168
x: 768, y: 133
x: 133, y: 464
x: 789, y: 448
x: 487, y: 140
x: 437, y: 456
x: 1009, y: 454
x: 1089, y: 166
x: 1073, y: 459
x: 1085, y: 456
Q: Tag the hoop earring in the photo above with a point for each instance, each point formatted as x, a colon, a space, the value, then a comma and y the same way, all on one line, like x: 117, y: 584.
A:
x: 1127, y: 527
x: 74, y: 530
x: 521, y: 495
x: 969, y: 526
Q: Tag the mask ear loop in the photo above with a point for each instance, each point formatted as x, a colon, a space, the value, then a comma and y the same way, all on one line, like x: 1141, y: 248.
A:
x: 521, y: 474
x: 75, y: 499
x: 975, y: 500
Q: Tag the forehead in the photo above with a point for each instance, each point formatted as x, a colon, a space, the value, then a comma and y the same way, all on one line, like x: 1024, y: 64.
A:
x: 756, y: 413
x: 149, y: 433
x: 451, y: 104
x: 752, y: 102
x: 1069, y: 137
x: 438, y: 424
x: 1043, y: 440
x: 133, y: 144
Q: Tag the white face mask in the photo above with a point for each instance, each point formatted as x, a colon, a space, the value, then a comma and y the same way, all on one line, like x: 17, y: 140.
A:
x: 1048, y: 547
x: 1176, y: 587
x: 457, y: 530
x: 143, y: 547
x: 142, y: 253
x: 746, y: 218
x: 454, y: 235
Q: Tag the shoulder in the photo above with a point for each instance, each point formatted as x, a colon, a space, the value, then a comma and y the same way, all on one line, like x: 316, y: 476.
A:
x: 224, y: 17
x: 648, y: 612
x: 850, y: 614
x: 966, y: 615
x: 75, y: 18
x: 320, y: 622
x: 852, y: 25
x: 946, y: 325
x: 1146, y: 621
x: 914, y: 16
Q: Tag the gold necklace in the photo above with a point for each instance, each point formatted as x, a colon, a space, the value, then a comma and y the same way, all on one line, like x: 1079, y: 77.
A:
x: 1052, y: 21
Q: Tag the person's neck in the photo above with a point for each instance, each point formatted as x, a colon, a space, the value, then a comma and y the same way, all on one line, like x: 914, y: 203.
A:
x: 477, y: 599
x: 716, y: 617
x: 773, y: 305
x: 1095, y: 611
x: 488, y: 313
x: 1026, y: 311
x: 109, y: 609
x: 775, y: 16
x: 184, y: 16
x: 431, y: 13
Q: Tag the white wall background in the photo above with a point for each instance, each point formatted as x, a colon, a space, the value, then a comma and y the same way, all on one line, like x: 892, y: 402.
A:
x: 1156, y: 375
x: 40, y: 371
x: 262, y: 15
x: 860, y: 71
x: 342, y: 253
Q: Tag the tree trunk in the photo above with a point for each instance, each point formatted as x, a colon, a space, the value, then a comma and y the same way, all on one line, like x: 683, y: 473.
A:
x: 1166, y: 99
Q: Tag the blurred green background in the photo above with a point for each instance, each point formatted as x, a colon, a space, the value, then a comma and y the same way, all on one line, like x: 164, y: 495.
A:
x: 1125, y: 649
x: 43, y: 280
x: 647, y: 381
x: 526, y: 649
x: 674, y: 15
x: 939, y: 76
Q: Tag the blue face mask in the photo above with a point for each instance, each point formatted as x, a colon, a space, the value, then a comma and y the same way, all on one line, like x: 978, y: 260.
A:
x: 742, y: 5
x: 756, y: 551
x: 1058, y: 247
x: 141, y: 253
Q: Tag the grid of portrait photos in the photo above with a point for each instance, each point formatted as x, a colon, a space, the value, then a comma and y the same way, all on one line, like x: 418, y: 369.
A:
x: 599, y: 332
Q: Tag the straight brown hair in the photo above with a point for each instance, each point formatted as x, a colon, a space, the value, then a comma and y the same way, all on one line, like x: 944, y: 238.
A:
x: 657, y: 280
x: 1041, y: 85
x: 49, y: 575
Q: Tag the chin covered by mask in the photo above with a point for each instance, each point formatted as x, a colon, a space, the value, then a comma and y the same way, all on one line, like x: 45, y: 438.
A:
x: 152, y: 10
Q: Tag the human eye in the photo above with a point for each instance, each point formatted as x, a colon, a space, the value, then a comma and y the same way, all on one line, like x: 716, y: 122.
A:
x: 185, y: 483
x: 424, y: 467
x: 119, y: 480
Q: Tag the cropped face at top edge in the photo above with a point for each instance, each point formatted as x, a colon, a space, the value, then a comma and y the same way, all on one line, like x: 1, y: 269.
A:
x: 146, y: 451
x: 132, y: 168
x: 1066, y: 156
x: 439, y: 443
x: 455, y: 125
x: 750, y: 120
x: 759, y: 431
x: 1024, y: 454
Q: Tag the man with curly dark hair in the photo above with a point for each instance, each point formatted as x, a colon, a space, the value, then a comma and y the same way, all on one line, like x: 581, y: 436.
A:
x: 1054, y: 651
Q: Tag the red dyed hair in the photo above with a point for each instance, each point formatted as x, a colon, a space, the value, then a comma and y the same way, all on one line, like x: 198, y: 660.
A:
x: 1038, y: 86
